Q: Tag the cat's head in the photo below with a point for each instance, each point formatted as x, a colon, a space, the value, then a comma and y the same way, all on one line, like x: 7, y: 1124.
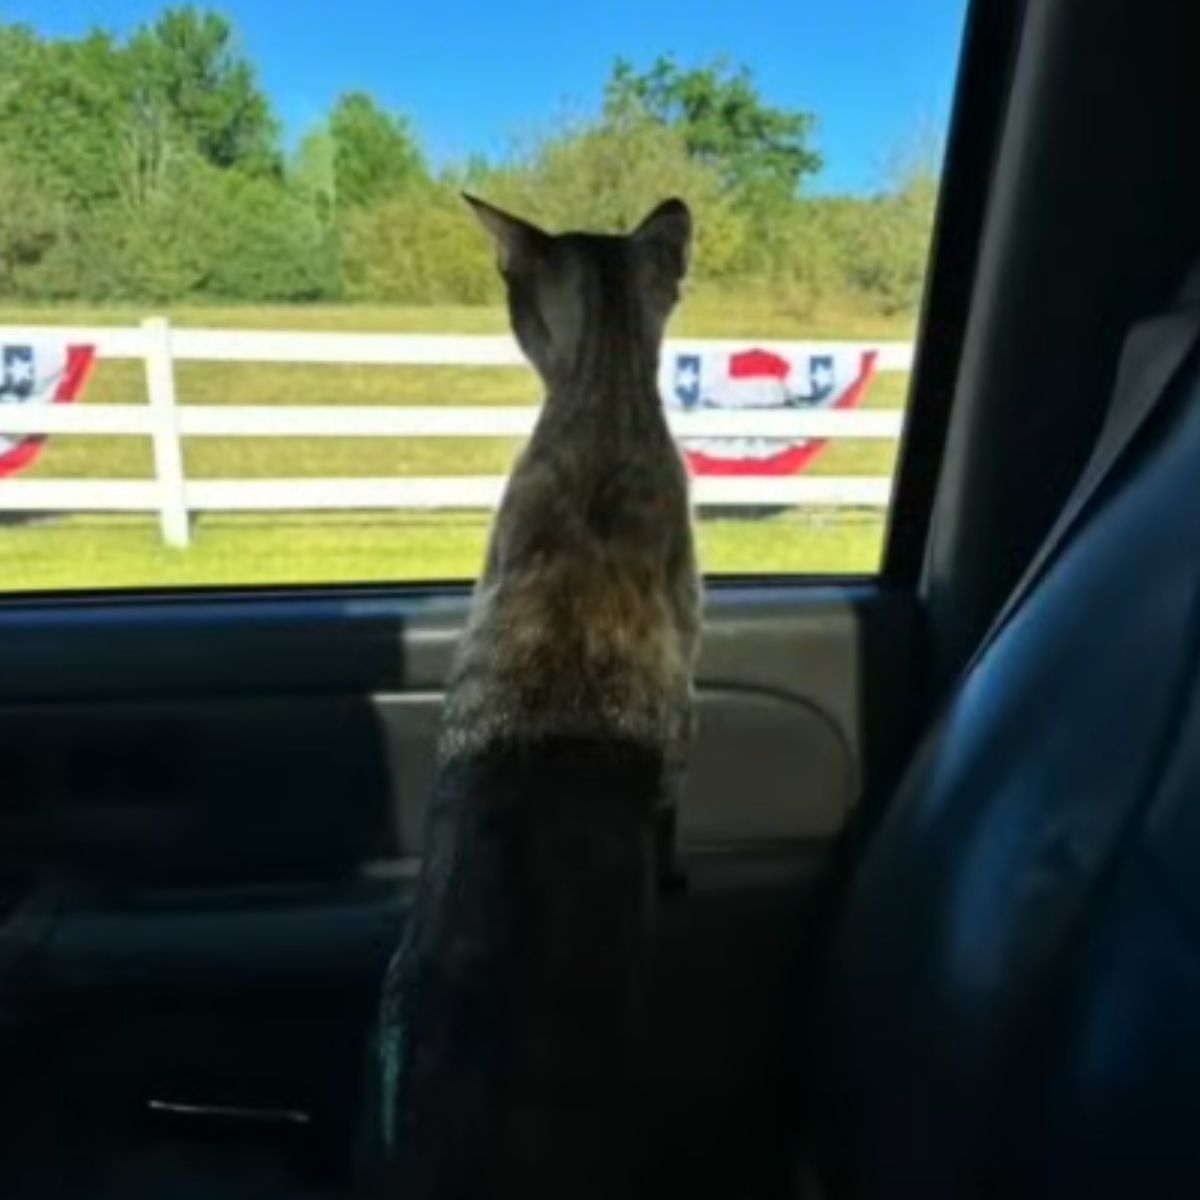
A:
x: 584, y: 302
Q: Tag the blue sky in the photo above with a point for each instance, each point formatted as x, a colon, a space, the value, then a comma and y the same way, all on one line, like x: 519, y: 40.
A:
x: 474, y: 73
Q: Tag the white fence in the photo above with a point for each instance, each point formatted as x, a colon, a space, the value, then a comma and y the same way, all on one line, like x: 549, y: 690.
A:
x: 166, y: 423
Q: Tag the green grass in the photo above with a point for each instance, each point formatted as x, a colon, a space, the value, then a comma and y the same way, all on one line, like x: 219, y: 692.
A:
x: 705, y: 312
x: 127, y: 552
x: 103, y: 552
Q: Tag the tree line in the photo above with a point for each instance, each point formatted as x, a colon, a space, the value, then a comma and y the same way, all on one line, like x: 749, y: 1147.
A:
x: 154, y: 169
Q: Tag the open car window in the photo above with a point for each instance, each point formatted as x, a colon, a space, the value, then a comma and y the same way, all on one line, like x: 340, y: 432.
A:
x: 249, y: 334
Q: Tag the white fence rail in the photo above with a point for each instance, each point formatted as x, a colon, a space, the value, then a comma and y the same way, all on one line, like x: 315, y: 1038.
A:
x: 166, y: 422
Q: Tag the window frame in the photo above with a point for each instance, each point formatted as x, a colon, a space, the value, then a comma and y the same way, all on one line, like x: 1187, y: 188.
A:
x: 989, y: 41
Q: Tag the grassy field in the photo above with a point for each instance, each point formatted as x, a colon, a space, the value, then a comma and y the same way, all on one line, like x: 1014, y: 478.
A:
x: 123, y: 552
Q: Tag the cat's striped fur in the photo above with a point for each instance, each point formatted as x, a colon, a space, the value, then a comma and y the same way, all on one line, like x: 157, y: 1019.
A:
x: 510, y: 1012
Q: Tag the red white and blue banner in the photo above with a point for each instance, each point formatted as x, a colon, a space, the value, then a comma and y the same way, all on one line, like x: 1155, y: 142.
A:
x: 761, y: 379
x: 39, y: 373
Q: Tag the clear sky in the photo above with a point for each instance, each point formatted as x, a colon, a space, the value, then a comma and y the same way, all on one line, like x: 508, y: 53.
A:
x: 474, y: 73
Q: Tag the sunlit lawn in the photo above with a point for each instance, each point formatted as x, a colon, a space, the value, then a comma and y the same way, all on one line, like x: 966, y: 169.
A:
x: 124, y: 552
x: 97, y: 551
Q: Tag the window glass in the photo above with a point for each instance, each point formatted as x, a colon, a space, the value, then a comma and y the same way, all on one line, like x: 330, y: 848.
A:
x: 249, y: 333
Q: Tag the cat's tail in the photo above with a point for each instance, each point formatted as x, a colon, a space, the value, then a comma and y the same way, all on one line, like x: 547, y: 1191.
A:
x: 368, y: 1156
x: 374, y: 1133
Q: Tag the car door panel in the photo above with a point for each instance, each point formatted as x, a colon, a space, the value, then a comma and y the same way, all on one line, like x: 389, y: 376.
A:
x: 214, y: 821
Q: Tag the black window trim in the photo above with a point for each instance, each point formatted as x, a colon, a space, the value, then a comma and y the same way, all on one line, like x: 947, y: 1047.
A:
x: 990, y: 39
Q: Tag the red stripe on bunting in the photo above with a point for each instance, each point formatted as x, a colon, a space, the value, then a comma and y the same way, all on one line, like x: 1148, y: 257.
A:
x: 80, y: 361
x: 794, y: 459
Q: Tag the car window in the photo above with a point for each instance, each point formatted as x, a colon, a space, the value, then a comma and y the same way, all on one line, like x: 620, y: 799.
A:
x: 249, y: 334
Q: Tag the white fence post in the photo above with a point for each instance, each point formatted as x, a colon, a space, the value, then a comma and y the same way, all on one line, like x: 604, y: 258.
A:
x: 168, y: 448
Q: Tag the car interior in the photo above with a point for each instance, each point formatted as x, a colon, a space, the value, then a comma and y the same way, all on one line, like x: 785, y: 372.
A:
x: 942, y: 930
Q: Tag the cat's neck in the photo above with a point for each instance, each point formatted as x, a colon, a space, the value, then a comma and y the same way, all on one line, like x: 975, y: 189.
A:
x: 626, y: 401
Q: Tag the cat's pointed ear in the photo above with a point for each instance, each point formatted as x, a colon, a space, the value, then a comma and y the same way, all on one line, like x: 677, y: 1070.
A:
x: 517, y: 242
x: 669, y: 228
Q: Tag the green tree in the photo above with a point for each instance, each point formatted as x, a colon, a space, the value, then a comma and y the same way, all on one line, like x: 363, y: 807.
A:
x: 61, y: 110
x: 75, y: 112
x: 417, y: 246
x: 375, y: 153
x: 608, y: 175
x: 724, y: 121
x: 29, y: 223
x: 152, y: 168
x: 204, y: 233
x: 188, y: 70
x: 883, y: 240
x: 795, y: 264
x: 158, y: 249
x: 271, y: 245
x: 312, y: 173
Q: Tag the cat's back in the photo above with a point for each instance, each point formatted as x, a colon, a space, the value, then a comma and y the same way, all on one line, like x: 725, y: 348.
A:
x: 517, y: 987
x: 576, y: 624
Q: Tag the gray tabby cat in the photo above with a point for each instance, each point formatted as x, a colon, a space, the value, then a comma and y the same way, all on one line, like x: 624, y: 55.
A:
x: 508, y: 1033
